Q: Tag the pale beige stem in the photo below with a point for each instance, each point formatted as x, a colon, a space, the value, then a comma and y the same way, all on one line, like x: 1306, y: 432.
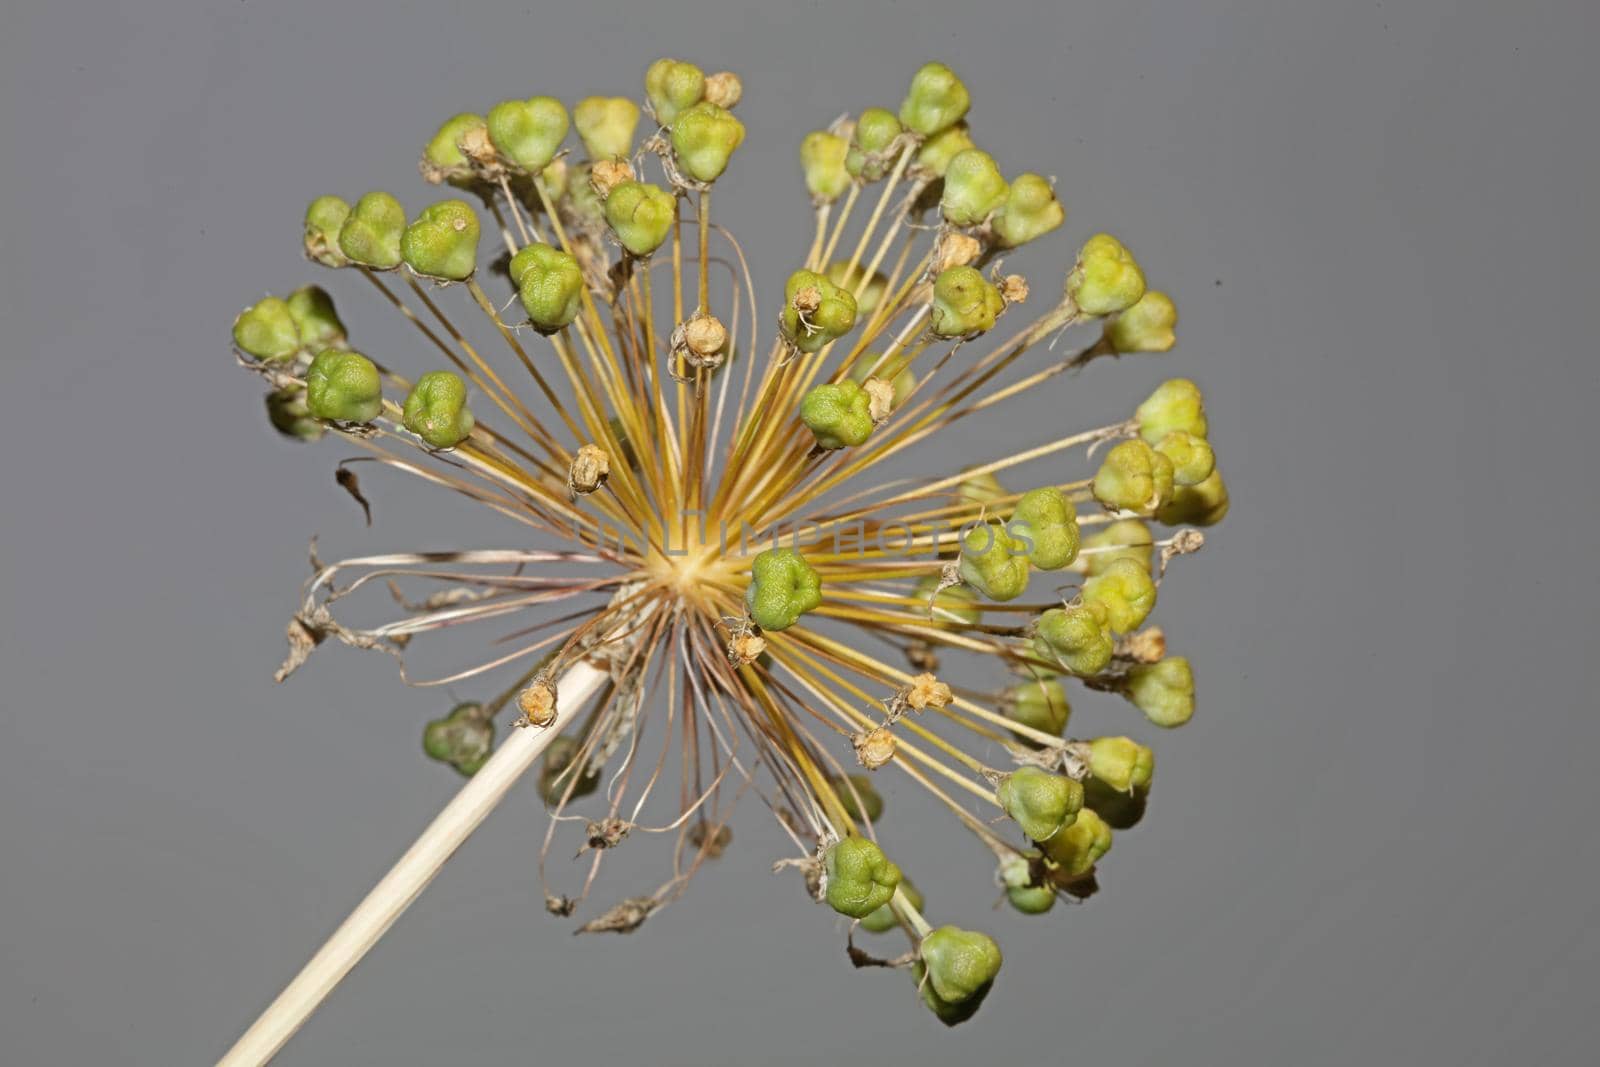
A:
x: 406, y: 879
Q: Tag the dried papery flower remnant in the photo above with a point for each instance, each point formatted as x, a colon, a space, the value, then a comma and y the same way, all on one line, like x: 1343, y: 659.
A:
x: 706, y: 529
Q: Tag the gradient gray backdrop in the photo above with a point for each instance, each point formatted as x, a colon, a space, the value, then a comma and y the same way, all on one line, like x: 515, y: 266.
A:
x: 1374, y: 844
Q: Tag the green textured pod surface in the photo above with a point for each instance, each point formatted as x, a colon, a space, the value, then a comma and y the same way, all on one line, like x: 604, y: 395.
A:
x: 993, y: 562
x: 1121, y: 763
x: 288, y: 414
x: 581, y: 201
x: 529, y: 132
x: 980, y: 488
x: 782, y: 588
x: 1030, y: 211
x: 1106, y: 277
x: 436, y: 409
x: 822, y: 156
x: 1121, y: 811
x: 641, y: 215
x: 1078, y: 847
x: 1046, y: 517
x: 1040, y: 705
x: 876, y: 130
x: 936, y: 100
x: 837, y: 415
x: 1123, y: 539
x: 884, y: 919
x: 964, y: 302
x: 443, y: 241
x: 556, y: 772
x: 1027, y: 897
x: 1042, y: 804
x: 1126, y: 593
x: 443, y: 151
x: 672, y: 87
x: 464, y: 738
x: 861, y: 879
x: 1150, y: 325
x: 704, y: 138
x: 1204, y: 504
x: 605, y: 125
x: 266, y: 331
x: 343, y: 386
x: 1176, y: 404
x: 840, y: 274
x: 961, y: 964
x: 1191, y: 456
x: 834, y: 317
x: 1164, y: 690
x: 1133, y: 477
x: 324, y: 217
x: 1075, y: 637
x: 371, y: 235
x: 315, y: 318
x: 859, y: 798
x: 937, y: 151
x: 974, y: 188
x: 550, y: 284
x: 954, y: 603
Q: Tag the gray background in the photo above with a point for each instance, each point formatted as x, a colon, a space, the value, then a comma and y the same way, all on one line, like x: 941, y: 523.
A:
x: 1375, y: 842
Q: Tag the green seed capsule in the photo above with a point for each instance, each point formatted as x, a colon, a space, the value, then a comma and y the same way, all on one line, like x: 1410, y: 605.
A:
x: 672, y: 87
x: 1133, y: 477
x: 287, y: 411
x: 1148, y: 326
x: 315, y: 318
x: 1045, y: 516
x: 958, y: 968
x: 704, y: 138
x: 884, y: 919
x: 936, y: 100
x: 556, y: 772
x: 641, y: 215
x: 993, y: 562
x: 1075, y: 637
x: 937, y: 151
x: 1041, y: 705
x: 324, y: 218
x: 1120, y: 811
x: 606, y: 125
x: 436, y: 409
x: 954, y: 603
x: 964, y: 303
x: 782, y: 588
x: 840, y: 274
x: 528, y: 133
x: 822, y: 156
x: 815, y: 311
x: 1126, y: 539
x: 1176, y: 404
x: 343, y: 386
x: 858, y: 797
x: 443, y: 241
x: 464, y: 738
x: 980, y: 488
x: 550, y: 283
x: 1121, y: 763
x: 1077, y: 848
x: 1030, y: 211
x: 876, y: 130
x: 1041, y: 803
x: 1191, y: 456
x: 974, y: 188
x: 1029, y: 898
x: 1106, y: 278
x: 267, y: 331
x: 1205, y: 504
x: 581, y: 201
x: 1163, y: 690
x: 371, y: 235
x: 443, y: 158
x: 1125, y: 591
x: 861, y: 879
x: 837, y: 415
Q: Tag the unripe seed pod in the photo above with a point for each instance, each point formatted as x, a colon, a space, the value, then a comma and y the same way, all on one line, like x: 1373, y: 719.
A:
x: 1133, y: 477
x: 1191, y: 456
x: 782, y: 588
x: 606, y: 125
x: 324, y: 218
x: 1148, y: 326
x: 436, y: 409
x: 287, y: 411
x: 974, y: 188
x: 528, y: 133
x: 1028, y: 897
x: 267, y: 331
x: 315, y: 318
x: 859, y: 798
x: 955, y: 603
x: 641, y: 215
x: 1164, y: 691
x: 980, y: 488
x: 1077, y: 638
x: 704, y: 138
x: 815, y: 311
x: 1204, y: 504
x: 1041, y: 705
x: 1030, y: 211
x: 1041, y: 803
x: 442, y: 158
x: 875, y: 132
x: 1126, y: 593
x: 936, y: 100
x: 964, y: 303
x: 371, y: 235
x: 1106, y: 277
x: 861, y: 879
x: 673, y: 86
x: 1046, y: 517
x: 1176, y: 404
x: 958, y: 968
x: 1121, y: 763
x: 822, y: 157
x: 993, y: 562
x: 937, y: 151
x: 464, y: 738
x: 840, y: 274
x: 344, y: 386
x: 443, y: 241
x: 724, y: 89
x: 837, y: 415
x: 1077, y: 848
x: 590, y: 469
x: 1126, y: 539
x: 550, y: 285
x: 884, y: 919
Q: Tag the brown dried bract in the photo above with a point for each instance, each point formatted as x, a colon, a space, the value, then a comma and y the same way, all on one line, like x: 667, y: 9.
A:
x: 590, y: 469
x: 724, y: 89
x: 926, y: 691
x: 874, y: 748
x: 625, y: 918
x: 880, y: 400
x: 606, y: 174
x: 537, y: 703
